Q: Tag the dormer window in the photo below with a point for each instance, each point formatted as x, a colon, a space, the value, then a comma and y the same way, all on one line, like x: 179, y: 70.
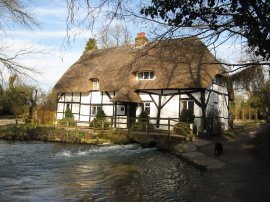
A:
x: 95, y: 84
x: 146, y: 75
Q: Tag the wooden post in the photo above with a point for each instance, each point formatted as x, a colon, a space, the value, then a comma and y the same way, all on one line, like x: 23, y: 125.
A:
x: 111, y: 121
x: 148, y: 127
x: 169, y: 126
x: 128, y: 126
x: 256, y: 114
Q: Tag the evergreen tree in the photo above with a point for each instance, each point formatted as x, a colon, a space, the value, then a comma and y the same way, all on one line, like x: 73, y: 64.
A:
x: 90, y: 45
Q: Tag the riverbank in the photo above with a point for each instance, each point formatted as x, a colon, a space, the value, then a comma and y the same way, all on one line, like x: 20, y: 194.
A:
x: 28, y: 132
x: 245, y: 175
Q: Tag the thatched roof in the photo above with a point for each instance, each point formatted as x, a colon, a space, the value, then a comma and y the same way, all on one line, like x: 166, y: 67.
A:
x: 177, y: 63
x: 126, y: 95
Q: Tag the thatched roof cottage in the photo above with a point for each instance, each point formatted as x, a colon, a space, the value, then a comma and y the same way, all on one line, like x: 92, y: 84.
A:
x: 161, y: 77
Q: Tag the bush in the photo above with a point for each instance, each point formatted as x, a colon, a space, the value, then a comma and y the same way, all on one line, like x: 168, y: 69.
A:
x: 187, y: 115
x: 142, y: 123
x: 67, y: 122
x: 100, y: 121
x: 213, y: 123
x: 142, y: 126
x: 68, y: 113
x: 143, y: 117
x: 182, y: 128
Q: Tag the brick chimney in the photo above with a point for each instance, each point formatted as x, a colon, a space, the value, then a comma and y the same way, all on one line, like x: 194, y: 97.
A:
x: 140, y: 40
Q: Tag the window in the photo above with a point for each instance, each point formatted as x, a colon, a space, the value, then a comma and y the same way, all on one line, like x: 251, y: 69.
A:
x: 219, y: 81
x: 146, y: 107
x: 95, y: 84
x: 148, y: 75
x: 95, y: 109
x: 188, y: 104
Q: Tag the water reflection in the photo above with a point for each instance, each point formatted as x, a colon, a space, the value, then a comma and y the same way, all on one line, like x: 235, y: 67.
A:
x: 56, y: 172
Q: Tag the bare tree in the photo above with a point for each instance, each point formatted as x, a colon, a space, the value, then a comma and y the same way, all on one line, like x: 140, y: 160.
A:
x: 216, y: 22
x: 115, y: 35
x: 14, y: 12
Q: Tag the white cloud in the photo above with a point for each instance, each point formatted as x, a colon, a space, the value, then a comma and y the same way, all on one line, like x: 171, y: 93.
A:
x: 49, y: 12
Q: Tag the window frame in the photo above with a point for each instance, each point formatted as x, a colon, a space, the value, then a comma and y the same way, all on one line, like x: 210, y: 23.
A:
x: 145, y: 75
x: 187, y: 104
x: 95, y: 108
x: 147, y: 107
x: 95, y: 83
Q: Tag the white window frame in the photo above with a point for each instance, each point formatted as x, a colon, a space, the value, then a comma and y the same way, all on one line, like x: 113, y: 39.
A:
x: 147, y: 107
x: 95, y: 84
x: 95, y: 109
x: 188, y: 106
x: 146, y: 75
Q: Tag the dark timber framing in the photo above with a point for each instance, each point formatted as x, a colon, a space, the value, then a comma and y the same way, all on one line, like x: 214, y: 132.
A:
x: 205, y: 95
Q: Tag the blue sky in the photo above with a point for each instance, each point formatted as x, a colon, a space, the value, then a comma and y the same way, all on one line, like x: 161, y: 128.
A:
x: 49, y: 38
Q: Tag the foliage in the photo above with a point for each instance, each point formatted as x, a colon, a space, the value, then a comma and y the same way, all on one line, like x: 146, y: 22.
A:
x: 68, y: 113
x: 243, y: 18
x: 90, y: 45
x: 100, y: 114
x: 68, y: 121
x: 143, y: 117
x: 214, y: 125
x: 100, y: 120
x: 142, y: 124
x: 260, y: 98
x: 187, y: 115
x: 17, y: 100
x: 182, y: 128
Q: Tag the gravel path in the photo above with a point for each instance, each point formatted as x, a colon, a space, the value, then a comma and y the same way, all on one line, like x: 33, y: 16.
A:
x: 245, y: 177
x: 9, y: 121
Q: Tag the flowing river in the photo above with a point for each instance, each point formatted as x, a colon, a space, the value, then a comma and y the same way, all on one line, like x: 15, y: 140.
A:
x: 37, y: 171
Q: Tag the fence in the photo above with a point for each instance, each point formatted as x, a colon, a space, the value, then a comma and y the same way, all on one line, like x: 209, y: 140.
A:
x: 138, y: 125
x: 244, y: 113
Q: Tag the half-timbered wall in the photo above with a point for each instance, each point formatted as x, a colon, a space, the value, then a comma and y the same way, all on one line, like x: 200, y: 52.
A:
x: 162, y: 104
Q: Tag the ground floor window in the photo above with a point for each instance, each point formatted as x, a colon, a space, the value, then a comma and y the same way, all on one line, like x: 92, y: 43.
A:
x: 188, y: 104
x: 95, y: 109
x: 146, y: 107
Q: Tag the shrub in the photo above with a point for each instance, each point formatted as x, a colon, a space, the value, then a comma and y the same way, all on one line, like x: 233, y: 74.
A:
x: 143, y: 117
x: 100, y: 120
x: 142, y: 126
x: 213, y: 123
x: 187, y: 115
x: 182, y: 128
x: 67, y: 122
x: 142, y: 123
x: 68, y: 113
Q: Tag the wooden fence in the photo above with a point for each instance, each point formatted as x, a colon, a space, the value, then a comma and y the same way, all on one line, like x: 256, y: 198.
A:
x: 244, y: 113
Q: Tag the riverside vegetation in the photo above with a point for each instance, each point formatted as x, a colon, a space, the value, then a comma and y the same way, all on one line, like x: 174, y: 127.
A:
x: 26, y: 132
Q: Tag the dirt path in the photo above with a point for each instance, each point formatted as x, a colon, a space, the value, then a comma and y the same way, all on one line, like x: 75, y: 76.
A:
x: 4, y: 122
x: 245, y: 177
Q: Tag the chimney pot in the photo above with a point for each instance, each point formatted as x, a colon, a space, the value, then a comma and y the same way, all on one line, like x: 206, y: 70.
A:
x: 140, y: 40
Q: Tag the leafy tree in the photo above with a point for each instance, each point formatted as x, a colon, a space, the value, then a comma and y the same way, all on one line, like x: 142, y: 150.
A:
x: 19, y: 99
x: 246, y: 18
x: 90, y: 45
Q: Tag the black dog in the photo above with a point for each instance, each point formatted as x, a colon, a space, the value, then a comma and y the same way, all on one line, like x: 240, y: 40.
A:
x: 218, y: 149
